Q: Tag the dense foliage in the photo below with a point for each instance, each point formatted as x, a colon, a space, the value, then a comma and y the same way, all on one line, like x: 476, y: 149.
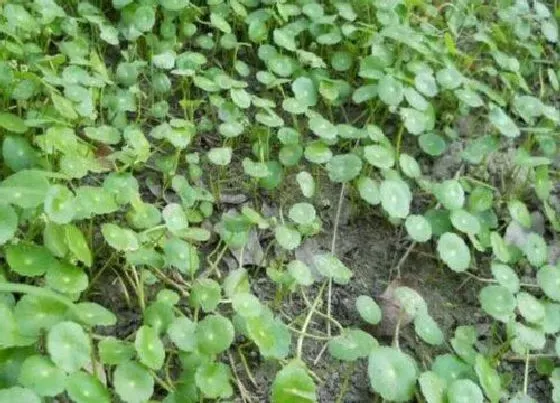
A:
x: 123, y: 121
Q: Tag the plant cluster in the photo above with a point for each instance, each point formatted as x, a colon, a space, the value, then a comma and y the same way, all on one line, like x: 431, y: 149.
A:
x: 122, y: 121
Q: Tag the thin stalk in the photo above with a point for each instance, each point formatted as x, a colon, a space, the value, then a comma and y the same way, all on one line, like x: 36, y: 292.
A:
x: 299, y: 349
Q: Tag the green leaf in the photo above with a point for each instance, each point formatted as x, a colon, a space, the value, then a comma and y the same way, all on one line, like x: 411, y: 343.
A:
x: 69, y: 346
x: 92, y: 314
x: 182, y: 333
x: 432, y: 386
x: 548, y: 278
x: 213, y: 379
x: 18, y: 394
x: 36, y: 313
x: 379, y: 156
x: 416, y: 123
x: 181, y: 255
x: 395, y: 198
x: 505, y: 276
x: 418, y: 228
x: 464, y: 390
x: 535, y: 250
x: 220, y: 22
x: 519, y: 212
x: 174, y: 217
x: 454, y: 252
x: 409, y: 166
x: 86, y: 388
x: 60, y: 204
x: 149, y: 347
x: 451, y: 195
x: 304, y: 90
x: 113, y: 351
x: 306, y: 183
x: 369, y: 190
x: 432, y: 144
x: 39, y: 374
x: 351, y: 344
x: 488, y: 378
x: 66, y: 278
x: 12, y: 123
x: 530, y: 307
x: 270, y: 335
x: 246, y: 305
x: 18, y: 153
x: 427, y: 329
x: 77, y: 244
x: 292, y: 384
x: 26, y: 189
x: 300, y: 272
x: 410, y: 301
x: 104, y: 134
x: 214, y: 334
x: 29, y: 260
x: 368, y: 309
x: 331, y: 267
x: 501, y: 121
x: 390, y: 91
x: 287, y: 237
x: 302, y: 213
x: 118, y: 238
x: 132, y: 382
x: 465, y: 222
x: 205, y: 294
x: 498, y: 302
x: 392, y: 374
x: 8, y: 223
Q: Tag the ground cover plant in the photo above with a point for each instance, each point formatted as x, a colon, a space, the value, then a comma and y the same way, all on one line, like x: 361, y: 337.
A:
x: 166, y: 165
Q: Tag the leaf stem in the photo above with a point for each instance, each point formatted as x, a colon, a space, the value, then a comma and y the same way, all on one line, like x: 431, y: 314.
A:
x: 299, y: 349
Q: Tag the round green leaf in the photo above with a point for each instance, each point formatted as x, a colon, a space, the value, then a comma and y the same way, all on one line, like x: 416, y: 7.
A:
x: 505, y: 276
x: 410, y: 301
x: 464, y: 221
x: 454, y: 252
x: 66, y: 278
x: 427, y: 329
x: 69, y: 346
x: 132, y: 382
x: 29, y: 260
x: 60, y: 204
x: 418, y: 228
x: 548, y: 278
x: 464, y: 390
x: 344, y: 167
x: 12, y: 123
x: 26, y: 189
x: 149, y: 347
x: 451, y: 195
x: 432, y: 144
x: 368, y: 309
x: 18, y: 394
x: 519, y: 212
x: 35, y: 313
x: 306, y: 183
x: 331, y: 267
x: 369, y: 190
x: 118, y: 238
x: 8, y: 223
x: 488, y: 378
x: 379, y: 156
x: 535, y: 249
x: 181, y: 255
x: 86, y: 388
x: 292, y: 384
x: 212, y: 378
x: 205, y: 294
x: 409, y: 166
x: 287, y: 237
x: 246, y: 305
x: 530, y: 307
x: 300, y: 273
x: 113, y: 351
x: 220, y: 155
x: 302, y: 213
x: 497, y: 301
x: 214, y: 334
x: 39, y: 374
x: 390, y: 91
x: 182, y: 333
x: 432, y: 386
x: 351, y: 345
x: 395, y: 198
x: 392, y: 374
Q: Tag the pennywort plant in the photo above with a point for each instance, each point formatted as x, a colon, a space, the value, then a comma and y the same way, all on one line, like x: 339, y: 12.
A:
x: 124, y: 123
